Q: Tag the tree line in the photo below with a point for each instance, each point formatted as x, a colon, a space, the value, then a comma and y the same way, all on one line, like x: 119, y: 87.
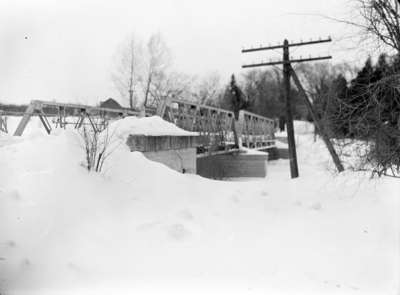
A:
x: 362, y: 105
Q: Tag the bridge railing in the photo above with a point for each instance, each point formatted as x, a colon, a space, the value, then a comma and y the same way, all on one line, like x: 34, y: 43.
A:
x: 214, y: 125
x: 97, y: 117
x: 217, y: 127
x: 256, y: 131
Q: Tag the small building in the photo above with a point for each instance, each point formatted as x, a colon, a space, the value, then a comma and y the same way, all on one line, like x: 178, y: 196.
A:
x: 176, y: 152
x: 110, y: 104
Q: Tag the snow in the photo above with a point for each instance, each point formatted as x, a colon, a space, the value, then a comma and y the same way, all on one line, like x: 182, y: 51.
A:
x: 151, y: 126
x: 252, y: 151
x: 281, y: 145
x: 141, y: 228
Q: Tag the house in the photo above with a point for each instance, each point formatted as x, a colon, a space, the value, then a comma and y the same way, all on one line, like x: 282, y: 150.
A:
x: 110, y: 104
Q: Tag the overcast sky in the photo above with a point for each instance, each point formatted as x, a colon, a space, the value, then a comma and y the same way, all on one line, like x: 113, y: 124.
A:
x: 63, y: 50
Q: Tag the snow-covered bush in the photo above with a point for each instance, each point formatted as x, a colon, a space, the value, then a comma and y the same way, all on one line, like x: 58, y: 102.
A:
x: 98, y: 146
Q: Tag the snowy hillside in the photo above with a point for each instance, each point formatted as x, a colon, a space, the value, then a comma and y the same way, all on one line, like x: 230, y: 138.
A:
x: 141, y: 228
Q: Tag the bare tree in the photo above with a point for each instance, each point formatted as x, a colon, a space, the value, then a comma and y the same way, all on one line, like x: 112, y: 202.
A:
x: 98, y: 146
x: 141, y: 72
x: 382, y: 21
x: 157, y: 64
x: 314, y: 76
x: 263, y: 89
x: 375, y: 127
x: 127, y: 70
x: 208, y: 88
x: 170, y: 84
x: 319, y: 81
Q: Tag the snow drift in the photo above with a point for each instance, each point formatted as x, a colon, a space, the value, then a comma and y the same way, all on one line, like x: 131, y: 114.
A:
x: 141, y: 227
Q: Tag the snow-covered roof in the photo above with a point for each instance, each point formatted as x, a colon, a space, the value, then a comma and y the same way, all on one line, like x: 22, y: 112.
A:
x: 150, y: 126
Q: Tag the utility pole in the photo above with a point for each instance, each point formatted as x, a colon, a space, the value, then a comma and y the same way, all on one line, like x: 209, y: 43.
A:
x: 294, y: 169
x: 287, y: 73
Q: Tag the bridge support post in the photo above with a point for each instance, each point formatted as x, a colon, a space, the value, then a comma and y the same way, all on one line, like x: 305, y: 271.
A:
x: 3, y: 123
x: 162, y: 107
x: 25, y: 119
x: 45, y: 122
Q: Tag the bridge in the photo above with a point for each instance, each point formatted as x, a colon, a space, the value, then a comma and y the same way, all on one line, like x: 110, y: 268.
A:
x: 221, y: 148
x: 219, y: 131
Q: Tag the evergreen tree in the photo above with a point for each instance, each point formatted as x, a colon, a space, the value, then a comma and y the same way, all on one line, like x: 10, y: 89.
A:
x: 234, y: 99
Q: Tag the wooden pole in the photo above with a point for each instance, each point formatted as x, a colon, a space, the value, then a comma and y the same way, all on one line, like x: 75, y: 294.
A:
x: 317, y: 123
x: 45, y: 123
x: 294, y: 170
x: 25, y: 119
x: 3, y: 123
x: 162, y: 107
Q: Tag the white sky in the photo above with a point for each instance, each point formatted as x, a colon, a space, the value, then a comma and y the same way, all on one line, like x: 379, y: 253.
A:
x: 67, y: 55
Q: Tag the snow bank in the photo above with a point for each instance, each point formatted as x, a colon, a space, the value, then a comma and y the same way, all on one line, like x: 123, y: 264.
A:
x: 141, y: 228
x: 152, y: 126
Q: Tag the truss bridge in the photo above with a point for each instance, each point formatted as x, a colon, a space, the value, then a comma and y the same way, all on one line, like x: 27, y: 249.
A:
x: 220, y: 132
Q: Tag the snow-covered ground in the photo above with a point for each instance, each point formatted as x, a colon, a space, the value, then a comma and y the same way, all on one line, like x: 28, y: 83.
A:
x: 141, y: 228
